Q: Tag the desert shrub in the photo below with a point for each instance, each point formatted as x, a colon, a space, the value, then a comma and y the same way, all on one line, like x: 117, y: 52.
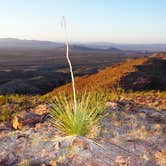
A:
x: 90, y: 107
x: 3, y: 100
x: 5, y: 115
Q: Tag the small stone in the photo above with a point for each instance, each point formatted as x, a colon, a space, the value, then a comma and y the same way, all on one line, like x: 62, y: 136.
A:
x: 81, y: 143
x: 113, y: 105
x: 122, y: 161
x: 53, y: 163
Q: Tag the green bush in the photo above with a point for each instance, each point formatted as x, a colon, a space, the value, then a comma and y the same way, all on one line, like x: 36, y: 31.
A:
x: 90, y: 107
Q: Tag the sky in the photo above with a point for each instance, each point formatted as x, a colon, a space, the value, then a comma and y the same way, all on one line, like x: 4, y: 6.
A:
x: 117, y: 21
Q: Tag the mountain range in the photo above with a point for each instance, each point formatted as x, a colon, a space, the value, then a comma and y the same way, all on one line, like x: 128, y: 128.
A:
x: 18, y: 43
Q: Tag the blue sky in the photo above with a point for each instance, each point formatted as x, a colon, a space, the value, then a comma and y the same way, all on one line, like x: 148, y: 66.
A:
x: 120, y: 21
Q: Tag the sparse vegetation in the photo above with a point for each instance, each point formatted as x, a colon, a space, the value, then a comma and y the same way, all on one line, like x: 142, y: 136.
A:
x: 12, y: 104
x: 117, y: 93
x: 90, y: 107
x: 5, y: 115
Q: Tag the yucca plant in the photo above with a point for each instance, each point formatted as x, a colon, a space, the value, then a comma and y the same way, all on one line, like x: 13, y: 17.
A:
x: 90, y: 107
x: 76, y: 115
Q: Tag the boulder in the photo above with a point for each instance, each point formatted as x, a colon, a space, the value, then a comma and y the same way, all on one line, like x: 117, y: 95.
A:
x: 26, y: 119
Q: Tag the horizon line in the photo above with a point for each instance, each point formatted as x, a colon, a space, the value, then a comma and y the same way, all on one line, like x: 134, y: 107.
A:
x: 84, y: 42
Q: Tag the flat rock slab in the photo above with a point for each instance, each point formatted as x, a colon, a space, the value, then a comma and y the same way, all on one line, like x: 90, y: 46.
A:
x: 43, y: 145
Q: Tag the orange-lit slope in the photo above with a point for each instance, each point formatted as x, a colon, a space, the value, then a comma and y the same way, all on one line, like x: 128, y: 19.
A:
x: 104, y: 79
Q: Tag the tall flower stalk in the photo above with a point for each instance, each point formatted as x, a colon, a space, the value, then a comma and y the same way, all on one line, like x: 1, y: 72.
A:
x: 70, y: 65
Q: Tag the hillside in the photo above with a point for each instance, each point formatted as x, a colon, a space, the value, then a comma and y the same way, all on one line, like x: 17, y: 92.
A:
x: 37, y: 67
x: 138, y: 74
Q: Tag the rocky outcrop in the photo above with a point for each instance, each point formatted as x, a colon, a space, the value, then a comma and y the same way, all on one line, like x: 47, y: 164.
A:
x: 38, y: 145
x: 130, y: 136
x: 43, y: 145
